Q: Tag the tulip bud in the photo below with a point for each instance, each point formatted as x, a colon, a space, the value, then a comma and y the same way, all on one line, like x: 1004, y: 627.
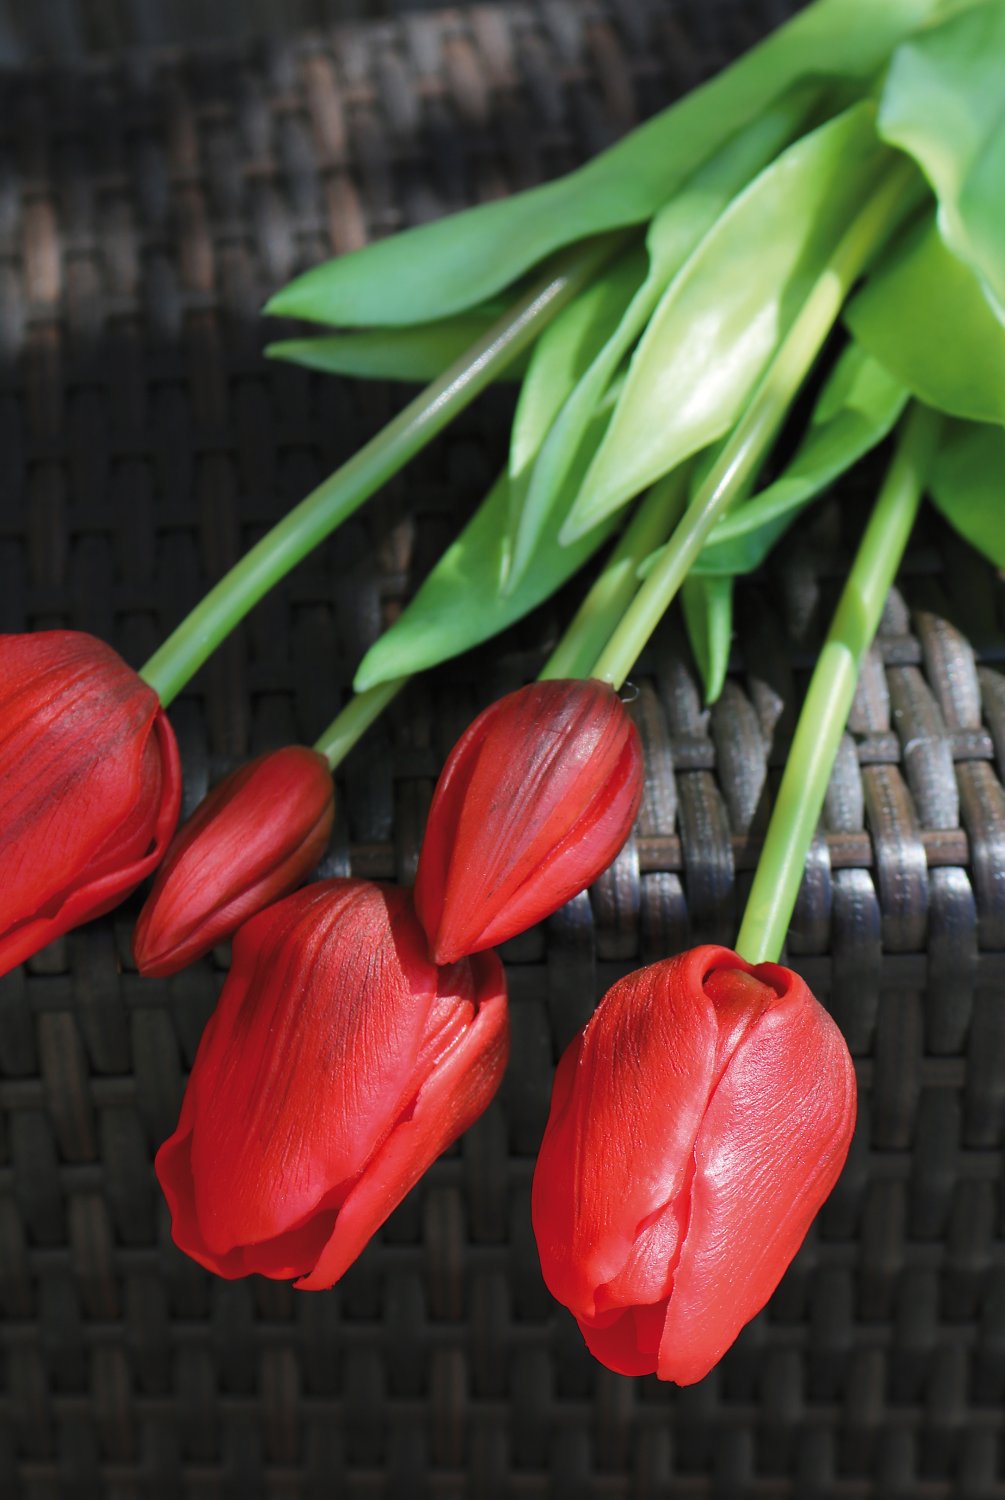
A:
x: 253, y: 839
x: 337, y: 1066
x: 90, y: 785
x: 534, y: 802
x: 697, y: 1124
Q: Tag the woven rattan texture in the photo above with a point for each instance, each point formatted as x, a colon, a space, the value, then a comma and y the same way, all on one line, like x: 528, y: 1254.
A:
x: 145, y: 211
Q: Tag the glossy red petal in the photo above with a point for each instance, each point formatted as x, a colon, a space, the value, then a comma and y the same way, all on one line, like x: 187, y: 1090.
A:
x: 74, y: 721
x: 772, y: 1144
x: 629, y: 1343
x: 251, y: 841
x: 126, y: 854
x: 536, y: 799
x: 319, y: 1028
x: 459, y: 1084
x: 629, y: 1100
x: 338, y: 1064
x: 697, y: 1124
x: 285, y: 1256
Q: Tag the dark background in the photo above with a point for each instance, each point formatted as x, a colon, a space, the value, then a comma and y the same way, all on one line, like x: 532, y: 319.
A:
x: 71, y: 29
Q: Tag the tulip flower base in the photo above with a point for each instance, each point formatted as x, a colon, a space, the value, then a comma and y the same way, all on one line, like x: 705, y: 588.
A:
x: 697, y: 1125
x: 147, y: 447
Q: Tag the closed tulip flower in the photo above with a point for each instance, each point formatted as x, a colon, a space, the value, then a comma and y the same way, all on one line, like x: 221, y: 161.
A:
x: 697, y: 1124
x: 90, y: 785
x: 254, y: 839
x: 338, y: 1064
x: 535, y: 801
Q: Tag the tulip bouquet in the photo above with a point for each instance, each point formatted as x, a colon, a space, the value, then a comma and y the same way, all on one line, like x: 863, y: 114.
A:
x: 826, y: 211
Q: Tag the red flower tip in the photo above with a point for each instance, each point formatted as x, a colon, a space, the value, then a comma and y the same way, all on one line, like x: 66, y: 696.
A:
x: 339, y: 1063
x: 534, y: 802
x: 253, y: 839
x: 697, y: 1124
x: 90, y: 785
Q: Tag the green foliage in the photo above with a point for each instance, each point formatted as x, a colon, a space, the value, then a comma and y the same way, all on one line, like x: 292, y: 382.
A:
x: 441, y: 268
x: 968, y: 485
x: 707, y: 604
x: 657, y: 358
x: 417, y: 354
x: 944, y: 102
x: 460, y: 603
x: 724, y: 314
x: 673, y: 234
x: 924, y: 315
x: 564, y: 350
x: 856, y: 409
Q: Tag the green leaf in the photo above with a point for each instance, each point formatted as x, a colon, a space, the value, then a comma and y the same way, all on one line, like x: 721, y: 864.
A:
x: 453, y: 263
x: 565, y: 349
x: 725, y: 312
x: 966, y: 485
x: 708, y: 616
x: 857, y: 407
x: 944, y: 102
x: 417, y: 354
x: 923, y: 314
x: 460, y: 603
x: 673, y: 234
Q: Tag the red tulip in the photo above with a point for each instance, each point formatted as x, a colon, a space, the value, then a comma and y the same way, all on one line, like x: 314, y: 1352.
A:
x: 337, y: 1066
x: 534, y: 802
x: 697, y: 1124
x: 90, y: 785
x: 252, y: 840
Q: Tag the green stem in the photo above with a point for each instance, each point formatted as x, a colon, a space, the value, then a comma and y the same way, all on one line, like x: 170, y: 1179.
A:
x: 828, y: 700
x: 335, y: 742
x: 343, y: 492
x: 618, y: 583
x: 745, y: 449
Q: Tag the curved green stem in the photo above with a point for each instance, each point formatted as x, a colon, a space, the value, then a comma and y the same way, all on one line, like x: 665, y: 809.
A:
x: 745, y: 449
x: 343, y: 492
x: 832, y: 687
x: 617, y: 584
x: 335, y: 742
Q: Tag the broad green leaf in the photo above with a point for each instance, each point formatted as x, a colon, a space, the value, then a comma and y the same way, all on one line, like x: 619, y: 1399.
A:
x: 565, y: 349
x: 967, y: 485
x: 708, y: 615
x: 453, y: 263
x: 923, y: 314
x: 723, y: 315
x: 944, y: 102
x: 673, y: 234
x: 460, y: 603
x: 415, y: 354
x: 857, y: 407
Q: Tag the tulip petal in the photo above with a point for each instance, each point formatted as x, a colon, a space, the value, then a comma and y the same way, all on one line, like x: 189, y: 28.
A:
x: 646, y: 1275
x: 455, y: 1092
x: 536, y: 799
x: 338, y: 1064
x: 629, y: 1344
x: 250, y: 842
x: 610, y: 1185
x: 124, y: 857
x: 571, y: 862
x: 771, y: 1146
x: 283, y: 1257
x: 320, y: 1025
x: 698, y: 1122
x: 463, y: 1065
x: 74, y: 725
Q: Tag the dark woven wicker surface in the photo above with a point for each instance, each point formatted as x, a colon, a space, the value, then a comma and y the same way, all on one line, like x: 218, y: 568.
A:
x: 145, y: 211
